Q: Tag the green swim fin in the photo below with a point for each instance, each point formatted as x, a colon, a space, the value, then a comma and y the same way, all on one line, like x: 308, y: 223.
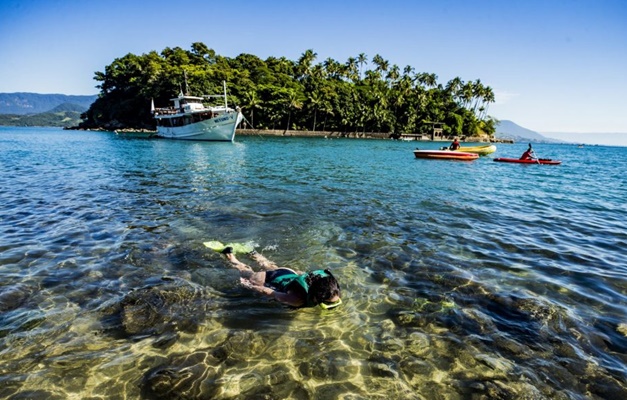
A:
x: 237, y: 247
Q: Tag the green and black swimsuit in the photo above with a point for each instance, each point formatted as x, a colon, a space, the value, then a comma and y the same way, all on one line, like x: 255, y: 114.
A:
x: 287, y: 280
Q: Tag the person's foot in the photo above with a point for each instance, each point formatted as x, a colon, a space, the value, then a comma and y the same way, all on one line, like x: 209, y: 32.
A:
x: 227, y: 250
x: 251, y: 253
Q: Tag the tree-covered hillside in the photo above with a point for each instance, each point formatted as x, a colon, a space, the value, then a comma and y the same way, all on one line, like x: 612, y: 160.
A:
x: 63, y: 116
x: 358, y: 95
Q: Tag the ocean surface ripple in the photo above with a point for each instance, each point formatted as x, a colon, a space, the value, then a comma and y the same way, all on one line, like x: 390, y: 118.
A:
x: 460, y: 279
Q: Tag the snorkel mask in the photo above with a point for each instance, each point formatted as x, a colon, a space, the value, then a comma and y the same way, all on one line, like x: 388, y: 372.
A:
x: 328, y: 306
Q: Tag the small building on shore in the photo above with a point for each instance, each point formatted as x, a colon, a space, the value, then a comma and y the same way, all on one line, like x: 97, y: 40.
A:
x: 437, y: 131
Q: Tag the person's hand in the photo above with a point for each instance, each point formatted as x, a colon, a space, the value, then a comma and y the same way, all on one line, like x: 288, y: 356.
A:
x: 261, y: 289
x: 246, y: 283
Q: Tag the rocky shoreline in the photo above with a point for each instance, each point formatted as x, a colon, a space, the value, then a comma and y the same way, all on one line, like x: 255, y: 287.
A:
x: 361, y: 135
x: 323, y: 134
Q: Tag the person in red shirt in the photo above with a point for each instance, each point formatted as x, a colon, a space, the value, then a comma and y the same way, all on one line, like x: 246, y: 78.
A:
x: 528, y: 154
x: 455, y: 145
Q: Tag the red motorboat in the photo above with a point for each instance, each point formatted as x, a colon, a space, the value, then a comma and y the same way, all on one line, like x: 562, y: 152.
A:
x: 445, y: 155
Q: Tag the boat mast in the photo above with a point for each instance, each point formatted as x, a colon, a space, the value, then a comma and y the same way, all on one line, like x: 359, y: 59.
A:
x: 225, y: 102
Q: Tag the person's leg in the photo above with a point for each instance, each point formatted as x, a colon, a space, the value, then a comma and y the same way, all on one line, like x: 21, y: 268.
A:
x: 245, y: 271
x: 263, y: 262
x: 266, y: 264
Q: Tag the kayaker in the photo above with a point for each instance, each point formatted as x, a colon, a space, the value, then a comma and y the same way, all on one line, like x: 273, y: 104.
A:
x: 455, y: 145
x: 294, y: 288
x: 528, y: 154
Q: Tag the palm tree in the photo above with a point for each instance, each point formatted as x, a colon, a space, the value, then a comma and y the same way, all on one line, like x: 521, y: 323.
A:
x: 251, y: 101
x: 332, y: 67
x: 315, y: 100
x: 294, y: 102
x: 488, y: 97
x: 393, y: 74
x: 408, y: 70
x: 362, y: 59
x: 304, y: 63
x: 402, y: 92
x: 477, y: 94
x: 351, y: 69
x: 430, y: 80
x: 467, y: 94
x: 382, y: 64
x: 454, y: 88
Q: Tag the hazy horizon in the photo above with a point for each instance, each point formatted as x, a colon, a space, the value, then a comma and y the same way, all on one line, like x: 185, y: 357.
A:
x: 600, y: 138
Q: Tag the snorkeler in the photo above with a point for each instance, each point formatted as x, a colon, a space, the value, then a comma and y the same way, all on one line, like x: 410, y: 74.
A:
x: 287, y: 286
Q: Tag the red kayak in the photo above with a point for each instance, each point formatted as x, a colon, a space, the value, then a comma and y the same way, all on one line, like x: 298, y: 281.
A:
x: 546, y: 161
x: 445, y: 155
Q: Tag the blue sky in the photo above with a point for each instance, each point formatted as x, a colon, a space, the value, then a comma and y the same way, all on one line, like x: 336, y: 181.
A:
x: 555, y: 66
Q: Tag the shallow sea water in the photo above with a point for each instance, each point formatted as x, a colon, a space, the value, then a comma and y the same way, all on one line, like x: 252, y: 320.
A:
x: 460, y: 280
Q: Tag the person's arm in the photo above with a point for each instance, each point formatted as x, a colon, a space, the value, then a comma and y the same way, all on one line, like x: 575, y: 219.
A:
x: 288, y: 298
x: 257, y: 288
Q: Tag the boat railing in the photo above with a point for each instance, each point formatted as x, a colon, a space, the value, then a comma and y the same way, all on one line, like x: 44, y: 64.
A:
x: 211, y: 109
x: 166, y: 111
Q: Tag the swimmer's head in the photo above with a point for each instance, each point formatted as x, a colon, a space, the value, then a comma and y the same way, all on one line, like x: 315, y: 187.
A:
x: 324, y: 289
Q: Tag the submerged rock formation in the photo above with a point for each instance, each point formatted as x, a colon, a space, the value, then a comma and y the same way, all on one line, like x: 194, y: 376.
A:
x: 168, y: 306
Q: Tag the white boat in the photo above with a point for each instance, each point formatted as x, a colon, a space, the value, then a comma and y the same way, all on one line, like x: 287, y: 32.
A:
x: 191, y: 119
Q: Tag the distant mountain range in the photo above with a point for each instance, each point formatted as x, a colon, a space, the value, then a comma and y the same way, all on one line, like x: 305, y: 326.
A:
x: 34, y: 109
x: 509, y: 130
x: 35, y: 103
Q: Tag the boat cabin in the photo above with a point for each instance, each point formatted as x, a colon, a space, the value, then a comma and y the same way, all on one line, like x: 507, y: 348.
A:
x: 188, y: 103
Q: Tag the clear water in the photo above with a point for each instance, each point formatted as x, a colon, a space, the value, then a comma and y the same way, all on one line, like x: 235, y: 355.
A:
x: 460, y: 279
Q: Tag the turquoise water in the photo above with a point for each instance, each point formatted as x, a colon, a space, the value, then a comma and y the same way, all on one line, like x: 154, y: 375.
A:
x: 460, y: 279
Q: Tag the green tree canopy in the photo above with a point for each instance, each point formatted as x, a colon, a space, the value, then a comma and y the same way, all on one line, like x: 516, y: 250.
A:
x: 278, y: 93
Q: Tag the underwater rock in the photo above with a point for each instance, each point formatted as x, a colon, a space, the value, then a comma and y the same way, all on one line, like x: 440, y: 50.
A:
x: 12, y: 297
x: 606, y: 387
x: 201, y: 375
x: 417, y: 344
x: 36, y: 394
x: 189, y: 376
x: 511, y: 346
x: 167, y: 306
x: 335, y: 366
x: 339, y: 390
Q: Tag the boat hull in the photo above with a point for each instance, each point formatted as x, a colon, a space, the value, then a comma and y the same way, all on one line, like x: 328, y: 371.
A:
x: 544, y: 161
x: 219, y: 129
x: 481, y: 150
x: 445, y: 155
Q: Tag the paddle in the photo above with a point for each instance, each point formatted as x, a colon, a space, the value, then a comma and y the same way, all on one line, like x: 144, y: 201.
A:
x: 532, y: 154
x: 535, y: 156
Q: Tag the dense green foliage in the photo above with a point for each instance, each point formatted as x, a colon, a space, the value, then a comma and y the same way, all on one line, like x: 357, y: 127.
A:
x: 282, y: 94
